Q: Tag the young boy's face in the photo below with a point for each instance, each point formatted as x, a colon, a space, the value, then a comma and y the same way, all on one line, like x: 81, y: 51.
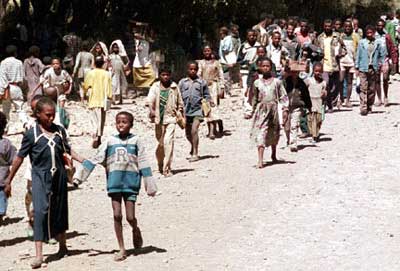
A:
x: 261, y: 52
x: 348, y: 28
x: 192, y: 71
x: 123, y: 124
x: 328, y: 27
x: 165, y: 77
x: 380, y: 26
x: 265, y: 67
x: 46, y: 116
x: 251, y: 37
x: 370, y: 34
x: 303, y: 27
x: 207, y: 52
x: 318, y: 72
x: 338, y: 25
x: 55, y: 63
x: 290, y: 30
x: 276, y: 39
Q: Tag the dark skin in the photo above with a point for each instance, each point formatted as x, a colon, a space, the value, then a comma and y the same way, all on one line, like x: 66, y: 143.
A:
x: 251, y: 37
x: 328, y: 29
x: 266, y: 69
x: 192, y: 130
x: 123, y: 125
x: 348, y: 30
x: 207, y: 53
x: 380, y: 26
x: 290, y: 31
x: 304, y: 28
x: 45, y: 118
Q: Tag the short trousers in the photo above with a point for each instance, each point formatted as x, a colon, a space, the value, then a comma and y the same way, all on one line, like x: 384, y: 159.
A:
x: 350, y: 69
x: 191, y: 119
x: 124, y: 195
x: 3, y: 202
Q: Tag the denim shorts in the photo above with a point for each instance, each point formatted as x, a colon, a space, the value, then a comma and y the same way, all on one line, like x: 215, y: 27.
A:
x: 3, y: 202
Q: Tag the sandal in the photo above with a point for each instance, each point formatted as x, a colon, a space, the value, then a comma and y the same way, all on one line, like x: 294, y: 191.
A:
x: 137, y: 238
x: 120, y: 256
x: 36, y: 263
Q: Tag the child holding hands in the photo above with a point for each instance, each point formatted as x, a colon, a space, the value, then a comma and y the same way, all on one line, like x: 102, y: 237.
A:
x: 126, y: 163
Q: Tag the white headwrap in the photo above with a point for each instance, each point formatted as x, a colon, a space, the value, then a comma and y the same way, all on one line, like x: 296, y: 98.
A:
x: 121, y: 47
x: 103, y: 47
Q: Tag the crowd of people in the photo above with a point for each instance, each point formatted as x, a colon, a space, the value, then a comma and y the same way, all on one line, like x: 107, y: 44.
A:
x: 289, y: 77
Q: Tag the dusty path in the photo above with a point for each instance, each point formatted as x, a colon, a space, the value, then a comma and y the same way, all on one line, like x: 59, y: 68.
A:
x: 334, y: 206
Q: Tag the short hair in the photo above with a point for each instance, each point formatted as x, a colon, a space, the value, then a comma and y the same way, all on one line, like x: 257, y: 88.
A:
x: 47, y: 60
x: 276, y: 33
x: 262, y: 59
x: 11, y: 50
x: 165, y: 69
x: 327, y: 21
x: 380, y: 20
x: 34, y: 51
x: 338, y: 20
x: 303, y: 20
x: 3, y: 123
x: 43, y: 102
x: 398, y: 11
x: 85, y: 45
x: 56, y: 58
x: 99, y: 61
x: 127, y: 114
x: 250, y: 30
x: 192, y: 62
x: 348, y: 21
x: 318, y: 64
x: 369, y: 27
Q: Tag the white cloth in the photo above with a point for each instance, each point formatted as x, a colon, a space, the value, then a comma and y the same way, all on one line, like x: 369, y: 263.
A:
x: 103, y: 47
x: 11, y: 71
x: 122, y: 51
x: 142, y: 54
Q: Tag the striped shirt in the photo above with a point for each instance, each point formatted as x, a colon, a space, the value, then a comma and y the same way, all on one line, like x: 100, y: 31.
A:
x: 125, y: 162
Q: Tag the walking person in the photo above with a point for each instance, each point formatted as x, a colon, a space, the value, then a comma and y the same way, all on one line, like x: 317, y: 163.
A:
x: 83, y: 64
x: 166, y: 106
x: 194, y: 90
x: 370, y: 56
x: 33, y: 68
x: 98, y: 84
x: 46, y: 143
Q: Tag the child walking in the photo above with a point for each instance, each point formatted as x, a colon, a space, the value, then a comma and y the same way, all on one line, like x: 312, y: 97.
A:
x: 265, y: 129
x: 210, y: 70
x: 317, y: 89
x: 7, y: 154
x: 194, y: 90
x: 126, y: 163
x: 46, y: 143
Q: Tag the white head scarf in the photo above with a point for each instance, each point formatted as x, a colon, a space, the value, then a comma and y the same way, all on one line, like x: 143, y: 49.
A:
x: 103, y: 47
x: 121, y: 47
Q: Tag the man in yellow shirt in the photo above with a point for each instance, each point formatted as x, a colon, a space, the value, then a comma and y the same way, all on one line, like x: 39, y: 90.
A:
x: 98, y: 86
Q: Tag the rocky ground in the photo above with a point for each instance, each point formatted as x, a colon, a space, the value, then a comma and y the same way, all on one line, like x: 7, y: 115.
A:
x: 332, y: 206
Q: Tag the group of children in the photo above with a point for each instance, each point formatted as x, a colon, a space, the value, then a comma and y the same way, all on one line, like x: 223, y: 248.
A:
x: 283, y: 68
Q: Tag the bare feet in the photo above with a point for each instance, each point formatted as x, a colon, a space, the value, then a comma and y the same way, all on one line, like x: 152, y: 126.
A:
x: 120, y: 256
x: 37, y: 263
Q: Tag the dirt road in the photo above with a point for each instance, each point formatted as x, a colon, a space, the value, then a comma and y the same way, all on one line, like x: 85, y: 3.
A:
x: 331, y: 206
